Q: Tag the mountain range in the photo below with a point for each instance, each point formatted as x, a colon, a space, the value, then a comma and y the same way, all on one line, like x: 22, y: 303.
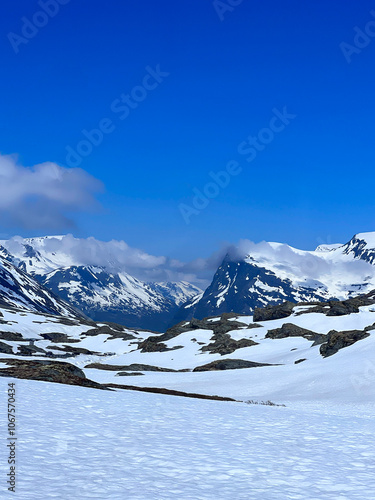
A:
x: 250, y: 276
x: 98, y: 291
x: 322, y: 344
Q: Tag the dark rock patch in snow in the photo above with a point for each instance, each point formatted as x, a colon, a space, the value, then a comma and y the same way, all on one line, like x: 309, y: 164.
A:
x: 132, y: 367
x: 129, y: 374
x: 58, y: 337
x: 274, y: 312
x: 220, y: 326
x: 290, y: 330
x: 113, y: 330
x: 169, y: 392
x: 229, y: 364
x: 339, y: 340
x: 339, y: 307
x: 12, y: 336
x: 6, y: 348
x: 49, y: 371
x: 224, y: 344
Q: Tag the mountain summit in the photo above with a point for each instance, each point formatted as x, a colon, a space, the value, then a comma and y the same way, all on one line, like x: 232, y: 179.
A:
x: 269, y: 273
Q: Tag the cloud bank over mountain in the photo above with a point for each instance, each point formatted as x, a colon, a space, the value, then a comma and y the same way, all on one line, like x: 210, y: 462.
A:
x: 115, y: 256
x: 118, y: 256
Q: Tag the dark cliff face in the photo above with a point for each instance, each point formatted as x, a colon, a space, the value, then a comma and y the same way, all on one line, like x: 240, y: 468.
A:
x: 241, y: 287
x: 238, y: 286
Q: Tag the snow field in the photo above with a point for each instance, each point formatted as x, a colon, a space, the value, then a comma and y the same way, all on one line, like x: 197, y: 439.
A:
x: 83, y: 443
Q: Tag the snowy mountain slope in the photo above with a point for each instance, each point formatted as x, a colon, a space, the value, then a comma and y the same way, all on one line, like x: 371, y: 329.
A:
x: 325, y: 247
x: 361, y: 246
x: 178, y: 292
x: 113, y: 297
x: 20, y: 290
x: 100, y: 291
x: 31, y: 255
x: 261, y: 274
x: 39, y: 256
x: 318, y: 352
x: 272, y: 272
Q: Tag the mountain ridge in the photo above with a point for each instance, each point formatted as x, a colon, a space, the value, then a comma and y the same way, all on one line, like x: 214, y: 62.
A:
x: 253, y: 276
x: 105, y: 293
x: 19, y: 290
x: 272, y: 272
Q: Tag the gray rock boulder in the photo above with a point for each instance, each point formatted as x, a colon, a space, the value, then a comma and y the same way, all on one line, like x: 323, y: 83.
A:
x: 274, y: 312
x: 290, y: 330
x: 339, y: 340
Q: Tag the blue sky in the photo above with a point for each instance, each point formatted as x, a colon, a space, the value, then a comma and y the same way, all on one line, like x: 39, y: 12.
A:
x: 221, y: 72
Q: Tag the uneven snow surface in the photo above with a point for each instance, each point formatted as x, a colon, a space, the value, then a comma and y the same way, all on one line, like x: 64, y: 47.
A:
x: 79, y: 443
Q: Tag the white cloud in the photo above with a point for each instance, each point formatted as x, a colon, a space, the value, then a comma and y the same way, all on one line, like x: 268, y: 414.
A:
x: 42, y: 196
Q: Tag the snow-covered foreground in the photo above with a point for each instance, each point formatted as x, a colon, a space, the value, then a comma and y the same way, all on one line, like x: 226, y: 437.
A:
x: 82, y: 443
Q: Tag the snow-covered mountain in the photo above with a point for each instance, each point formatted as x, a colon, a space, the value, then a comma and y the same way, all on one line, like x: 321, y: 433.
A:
x: 250, y: 277
x: 18, y: 289
x: 177, y: 292
x: 361, y: 246
x: 119, y: 297
x: 269, y: 273
x: 33, y: 256
x: 100, y: 292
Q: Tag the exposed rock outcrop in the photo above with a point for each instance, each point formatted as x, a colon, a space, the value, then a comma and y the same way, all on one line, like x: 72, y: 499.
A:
x: 115, y: 331
x: 6, y: 348
x: 339, y: 307
x: 220, y: 326
x: 12, y: 336
x: 273, y: 312
x: 228, y: 364
x: 49, y: 371
x: 58, y: 337
x: 339, y: 340
x: 290, y: 330
x: 224, y: 344
x: 136, y: 367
